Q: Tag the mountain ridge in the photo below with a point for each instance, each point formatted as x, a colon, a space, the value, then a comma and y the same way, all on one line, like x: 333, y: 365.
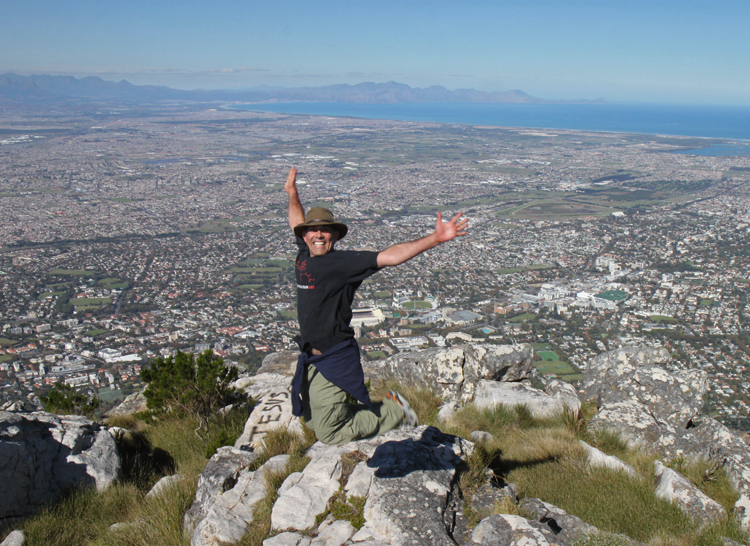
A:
x: 42, y: 88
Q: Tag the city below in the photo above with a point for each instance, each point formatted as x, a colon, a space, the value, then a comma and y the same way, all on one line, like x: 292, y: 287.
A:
x: 131, y: 233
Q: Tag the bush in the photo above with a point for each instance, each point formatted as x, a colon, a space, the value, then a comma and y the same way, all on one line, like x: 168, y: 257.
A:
x: 65, y: 400
x: 183, y: 383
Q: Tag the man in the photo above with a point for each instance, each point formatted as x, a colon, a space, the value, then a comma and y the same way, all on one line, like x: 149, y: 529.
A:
x: 329, y: 365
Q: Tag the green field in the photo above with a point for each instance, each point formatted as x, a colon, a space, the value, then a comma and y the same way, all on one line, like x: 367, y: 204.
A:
x: 548, y: 355
x: 249, y: 286
x: 561, y: 369
x: 47, y: 295
x: 289, y: 314
x: 526, y: 317
x: 612, y: 295
x: 707, y: 303
x: 6, y: 341
x: 5, y: 358
x: 73, y: 272
x: 94, y: 333
x: 382, y: 294
x: 417, y: 305
x: 376, y: 354
x: 533, y: 267
x: 662, y: 318
x: 90, y: 301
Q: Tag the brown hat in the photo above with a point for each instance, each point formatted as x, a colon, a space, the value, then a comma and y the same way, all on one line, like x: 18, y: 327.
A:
x: 320, y: 217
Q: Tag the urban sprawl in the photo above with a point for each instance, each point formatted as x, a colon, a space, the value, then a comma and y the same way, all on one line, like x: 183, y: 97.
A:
x: 126, y: 237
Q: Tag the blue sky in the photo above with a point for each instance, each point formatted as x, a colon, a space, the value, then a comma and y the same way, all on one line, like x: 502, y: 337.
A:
x: 622, y: 50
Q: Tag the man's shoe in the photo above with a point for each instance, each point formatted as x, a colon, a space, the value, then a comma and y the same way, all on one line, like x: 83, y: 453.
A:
x: 410, y: 416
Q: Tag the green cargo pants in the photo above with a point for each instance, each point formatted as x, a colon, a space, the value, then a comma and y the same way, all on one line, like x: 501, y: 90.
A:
x: 336, y: 422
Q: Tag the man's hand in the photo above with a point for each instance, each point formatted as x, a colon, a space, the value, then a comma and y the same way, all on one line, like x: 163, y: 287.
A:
x: 446, y: 231
x: 291, y: 182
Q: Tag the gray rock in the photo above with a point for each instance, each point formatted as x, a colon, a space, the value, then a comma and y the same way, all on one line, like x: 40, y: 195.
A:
x: 665, y: 395
x: 131, y: 404
x: 43, y: 455
x: 605, y: 370
x: 453, y: 372
x: 408, y: 479
x: 281, y: 363
x: 15, y: 538
x: 487, y: 498
x: 541, y: 404
x: 509, y: 530
x: 231, y: 512
x: 163, y: 484
x: 567, y: 527
x: 673, y: 486
x: 220, y: 474
x: 256, y: 386
x: 333, y: 533
x: 288, y: 538
x: 597, y: 458
x: 481, y: 436
x: 639, y: 427
x: 446, y: 412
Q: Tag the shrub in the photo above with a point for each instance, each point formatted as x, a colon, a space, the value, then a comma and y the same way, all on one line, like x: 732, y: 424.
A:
x: 65, y: 400
x: 183, y: 383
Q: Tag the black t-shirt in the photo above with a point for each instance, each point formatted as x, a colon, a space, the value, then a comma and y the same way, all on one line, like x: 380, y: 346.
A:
x: 325, y: 291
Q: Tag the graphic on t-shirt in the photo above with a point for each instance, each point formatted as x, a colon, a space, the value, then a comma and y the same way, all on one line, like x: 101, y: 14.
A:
x: 304, y: 275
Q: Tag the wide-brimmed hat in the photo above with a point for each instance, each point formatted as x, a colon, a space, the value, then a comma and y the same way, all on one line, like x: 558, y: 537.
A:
x: 320, y: 217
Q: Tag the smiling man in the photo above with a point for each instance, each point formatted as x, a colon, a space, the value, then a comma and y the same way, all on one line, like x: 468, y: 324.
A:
x: 329, y: 365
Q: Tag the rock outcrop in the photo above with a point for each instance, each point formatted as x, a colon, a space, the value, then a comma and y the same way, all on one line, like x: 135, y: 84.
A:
x: 42, y: 456
x: 455, y: 373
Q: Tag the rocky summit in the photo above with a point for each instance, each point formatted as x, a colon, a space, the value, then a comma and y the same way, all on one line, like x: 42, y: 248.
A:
x: 408, y: 481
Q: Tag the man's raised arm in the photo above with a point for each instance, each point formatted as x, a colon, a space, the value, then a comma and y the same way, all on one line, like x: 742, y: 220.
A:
x: 444, y: 232
x: 296, y: 212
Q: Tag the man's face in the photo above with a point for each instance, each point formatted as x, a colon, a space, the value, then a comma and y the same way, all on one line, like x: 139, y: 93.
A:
x: 320, y: 239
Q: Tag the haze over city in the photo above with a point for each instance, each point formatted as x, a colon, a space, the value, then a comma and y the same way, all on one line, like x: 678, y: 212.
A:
x: 664, y: 51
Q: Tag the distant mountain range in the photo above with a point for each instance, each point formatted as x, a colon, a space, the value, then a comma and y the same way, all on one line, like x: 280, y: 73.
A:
x: 42, y: 89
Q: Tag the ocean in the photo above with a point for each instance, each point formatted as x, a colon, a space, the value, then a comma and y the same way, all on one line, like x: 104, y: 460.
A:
x: 723, y: 122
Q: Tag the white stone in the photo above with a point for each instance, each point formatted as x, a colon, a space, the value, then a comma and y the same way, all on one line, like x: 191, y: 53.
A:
x: 163, y: 484
x: 541, y: 405
x: 16, y: 538
x: 597, y: 458
x: 673, y: 486
x: 287, y: 539
x: 333, y: 533
x: 306, y: 496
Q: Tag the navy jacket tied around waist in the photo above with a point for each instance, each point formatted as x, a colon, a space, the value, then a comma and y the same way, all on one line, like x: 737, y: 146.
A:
x: 340, y: 365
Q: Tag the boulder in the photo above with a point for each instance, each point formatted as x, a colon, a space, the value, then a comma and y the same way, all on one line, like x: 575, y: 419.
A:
x: 408, y: 477
x: 453, y: 373
x: 15, y: 538
x: 604, y: 371
x: 131, y: 404
x: 281, y: 363
x: 673, y: 486
x: 505, y: 529
x: 728, y: 449
x: 597, y: 459
x: 567, y: 528
x: 231, y: 512
x: 635, y: 374
x: 640, y: 428
x: 219, y: 475
x: 163, y: 484
x: 556, y: 398
x: 42, y: 456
